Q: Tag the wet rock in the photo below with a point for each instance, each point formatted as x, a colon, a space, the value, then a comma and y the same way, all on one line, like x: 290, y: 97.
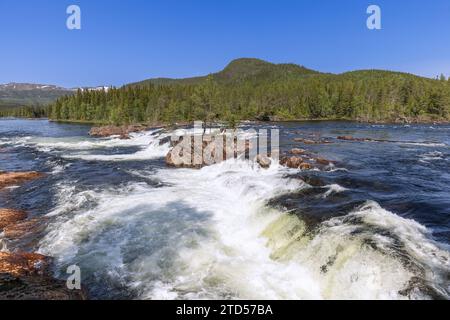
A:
x: 305, y: 166
x: 323, y: 161
x: 9, y: 217
x: 211, y: 151
x: 36, y: 288
x: 27, y: 276
x: 291, y: 162
x: 165, y: 140
x: 310, y: 142
x: 263, y: 161
x: 24, y: 264
x: 122, y: 131
x: 346, y: 138
x: 297, y: 151
x: 13, y: 178
x: 313, y: 181
x: 351, y: 138
x: 295, y: 162
x: 22, y: 229
x: 305, y: 141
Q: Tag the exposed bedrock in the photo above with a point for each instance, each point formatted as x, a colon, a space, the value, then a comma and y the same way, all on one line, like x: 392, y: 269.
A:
x: 12, y: 178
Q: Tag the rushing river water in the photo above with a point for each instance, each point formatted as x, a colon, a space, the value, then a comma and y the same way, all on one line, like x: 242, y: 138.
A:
x: 377, y: 225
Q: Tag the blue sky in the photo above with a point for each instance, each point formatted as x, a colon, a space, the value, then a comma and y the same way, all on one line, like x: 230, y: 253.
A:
x: 125, y: 41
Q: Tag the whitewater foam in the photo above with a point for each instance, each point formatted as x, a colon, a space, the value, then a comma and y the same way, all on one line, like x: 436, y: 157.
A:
x: 334, y: 188
x: 209, y: 234
x: 91, y: 149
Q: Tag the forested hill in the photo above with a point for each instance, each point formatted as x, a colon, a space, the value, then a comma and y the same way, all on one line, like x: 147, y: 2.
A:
x: 255, y: 89
x: 240, y: 70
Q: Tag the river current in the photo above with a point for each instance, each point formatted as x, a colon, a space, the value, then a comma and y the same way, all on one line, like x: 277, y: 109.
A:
x: 376, y: 225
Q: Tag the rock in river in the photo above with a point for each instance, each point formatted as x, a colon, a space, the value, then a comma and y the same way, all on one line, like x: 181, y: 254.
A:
x: 12, y: 178
x: 9, y: 217
x: 25, y: 276
x: 122, y: 131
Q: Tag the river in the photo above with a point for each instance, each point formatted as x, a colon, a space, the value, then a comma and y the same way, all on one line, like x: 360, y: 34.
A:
x: 376, y: 225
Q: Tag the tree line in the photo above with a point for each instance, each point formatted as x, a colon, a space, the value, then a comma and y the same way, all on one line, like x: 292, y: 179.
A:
x: 272, y: 92
x: 25, y: 112
x: 364, y: 96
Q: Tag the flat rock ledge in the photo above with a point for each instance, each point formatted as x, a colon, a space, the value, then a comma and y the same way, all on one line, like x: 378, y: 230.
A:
x: 12, y: 178
x: 123, y: 132
x: 25, y: 276
x: 10, y: 216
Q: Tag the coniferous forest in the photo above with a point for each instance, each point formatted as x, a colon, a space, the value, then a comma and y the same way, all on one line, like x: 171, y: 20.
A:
x: 255, y: 89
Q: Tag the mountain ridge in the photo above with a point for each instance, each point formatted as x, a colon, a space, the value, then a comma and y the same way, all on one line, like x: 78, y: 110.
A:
x: 237, y: 70
x: 23, y: 94
x: 242, y: 69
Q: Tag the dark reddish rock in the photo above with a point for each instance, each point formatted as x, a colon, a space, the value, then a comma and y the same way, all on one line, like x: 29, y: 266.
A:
x: 26, y: 276
x: 13, y: 178
x: 295, y: 163
x: 22, y: 229
x: 305, y: 166
x: 24, y: 264
x: 9, y: 217
x: 291, y: 162
x: 323, y: 161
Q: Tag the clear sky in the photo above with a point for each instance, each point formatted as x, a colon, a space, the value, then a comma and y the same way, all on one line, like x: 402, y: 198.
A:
x: 126, y: 41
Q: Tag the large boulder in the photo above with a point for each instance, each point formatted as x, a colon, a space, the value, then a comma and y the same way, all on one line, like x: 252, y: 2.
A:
x: 295, y: 162
x: 291, y: 162
x: 188, y: 154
